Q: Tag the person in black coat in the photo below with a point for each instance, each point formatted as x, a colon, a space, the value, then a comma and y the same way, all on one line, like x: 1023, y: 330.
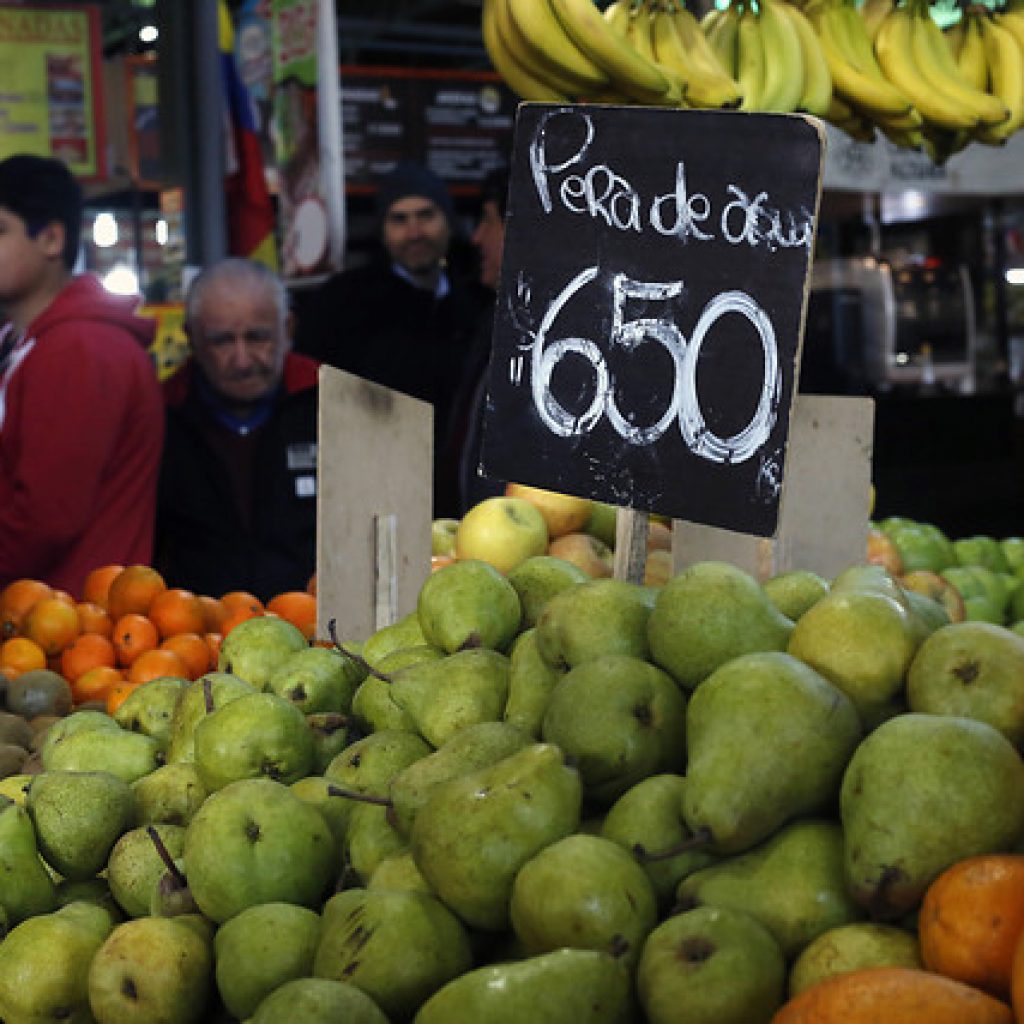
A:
x: 404, y: 320
x: 236, y: 506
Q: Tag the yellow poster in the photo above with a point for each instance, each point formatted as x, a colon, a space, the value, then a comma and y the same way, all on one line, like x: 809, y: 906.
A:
x: 49, y: 85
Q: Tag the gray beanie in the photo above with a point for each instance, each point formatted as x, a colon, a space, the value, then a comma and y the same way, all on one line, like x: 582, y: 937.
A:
x: 409, y: 179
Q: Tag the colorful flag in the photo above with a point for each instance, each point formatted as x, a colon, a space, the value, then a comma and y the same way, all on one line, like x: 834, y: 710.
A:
x: 249, y: 207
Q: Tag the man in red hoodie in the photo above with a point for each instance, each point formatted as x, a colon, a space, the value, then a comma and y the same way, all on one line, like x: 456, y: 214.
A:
x: 81, y: 417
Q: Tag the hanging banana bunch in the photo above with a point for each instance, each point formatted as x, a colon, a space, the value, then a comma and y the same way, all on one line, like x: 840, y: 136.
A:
x: 884, y: 66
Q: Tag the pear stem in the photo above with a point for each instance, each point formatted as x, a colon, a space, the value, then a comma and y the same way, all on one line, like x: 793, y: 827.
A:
x: 356, y: 659
x: 698, y: 841
x: 165, y: 855
x: 208, y: 696
x: 363, y: 798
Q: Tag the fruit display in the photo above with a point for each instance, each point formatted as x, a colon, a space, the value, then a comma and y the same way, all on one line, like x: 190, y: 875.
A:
x: 545, y: 792
x: 885, y: 67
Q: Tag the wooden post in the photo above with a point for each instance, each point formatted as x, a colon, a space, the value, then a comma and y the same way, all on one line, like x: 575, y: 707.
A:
x: 630, y: 545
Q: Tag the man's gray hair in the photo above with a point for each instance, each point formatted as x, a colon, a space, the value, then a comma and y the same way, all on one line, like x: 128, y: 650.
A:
x: 239, y: 271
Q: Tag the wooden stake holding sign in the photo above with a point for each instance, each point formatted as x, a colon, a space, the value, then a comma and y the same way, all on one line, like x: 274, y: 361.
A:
x: 373, y: 504
x: 650, y: 312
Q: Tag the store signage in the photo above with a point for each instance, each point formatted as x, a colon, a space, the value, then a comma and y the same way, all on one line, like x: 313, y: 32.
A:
x: 50, y: 97
x: 650, y: 313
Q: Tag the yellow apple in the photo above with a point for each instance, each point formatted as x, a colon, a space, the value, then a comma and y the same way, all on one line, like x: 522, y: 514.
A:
x: 659, y: 536
x: 658, y: 570
x: 501, y: 531
x: 563, y: 513
x: 883, y: 551
x: 586, y: 552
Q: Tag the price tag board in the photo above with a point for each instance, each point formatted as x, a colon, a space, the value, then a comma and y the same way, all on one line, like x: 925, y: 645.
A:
x: 650, y: 312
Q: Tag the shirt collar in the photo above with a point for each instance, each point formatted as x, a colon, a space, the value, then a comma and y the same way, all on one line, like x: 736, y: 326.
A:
x: 240, y: 425
x: 443, y: 285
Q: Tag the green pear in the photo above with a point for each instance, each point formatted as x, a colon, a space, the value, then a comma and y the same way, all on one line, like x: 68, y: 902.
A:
x: 795, y: 591
x: 768, y: 740
x: 442, y: 535
x: 370, y: 837
x: 920, y: 793
x: 585, y: 892
x: 468, y: 604
x: 927, y: 613
x: 568, y: 986
x: 259, y: 734
x: 398, y: 947
x: 981, y: 550
x: 172, y: 794
x: 369, y: 765
x: 92, y: 892
x: 44, y: 967
x: 196, y: 701
x: 601, y: 616
x: 649, y: 817
x: 793, y: 883
x: 538, y: 579
x: 476, y: 831
x: 531, y: 681
x: 128, y: 755
x: 470, y: 749
x: 711, y: 965
x: 853, y: 947
x: 399, y: 871
x: 259, y: 950
x: 707, y: 614
x: 26, y: 888
x: 862, y: 641
x: 253, y: 842
x: 330, y: 733
x: 315, y: 790
x: 317, y: 1001
x: 151, y: 969
x: 135, y: 865
x: 463, y: 689
x: 973, y: 670
x: 634, y: 723
x: 256, y: 647
x: 406, y: 632
x: 872, y: 578
x: 375, y: 709
x: 78, y: 816
x: 15, y: 787
x: 69, y: 725
x: 317, y: 679
x: 1013, y: 552
x: 148, y: 708
x: 602, y: 522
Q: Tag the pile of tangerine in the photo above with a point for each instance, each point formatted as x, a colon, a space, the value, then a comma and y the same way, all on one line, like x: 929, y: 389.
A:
x: 126, y: 628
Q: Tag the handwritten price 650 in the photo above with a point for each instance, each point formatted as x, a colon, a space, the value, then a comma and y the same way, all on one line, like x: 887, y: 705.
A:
x: 684, y: 407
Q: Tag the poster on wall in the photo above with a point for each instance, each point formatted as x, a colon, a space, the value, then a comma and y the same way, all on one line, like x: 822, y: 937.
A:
x: 306, y: 151
x: 50, y: 96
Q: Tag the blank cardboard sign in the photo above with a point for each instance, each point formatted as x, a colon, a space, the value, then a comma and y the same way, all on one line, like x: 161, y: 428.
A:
x: 823, y: 522
x: 373, y: 504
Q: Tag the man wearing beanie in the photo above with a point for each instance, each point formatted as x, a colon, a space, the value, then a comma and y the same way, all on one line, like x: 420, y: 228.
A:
x: 81, y: 417
x: 403, y: 320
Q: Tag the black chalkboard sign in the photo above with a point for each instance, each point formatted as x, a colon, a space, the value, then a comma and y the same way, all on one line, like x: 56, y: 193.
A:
x: 650, y: 312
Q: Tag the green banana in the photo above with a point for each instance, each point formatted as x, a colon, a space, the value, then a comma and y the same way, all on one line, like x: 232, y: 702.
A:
x: 750, y: 60
x: 784, y: 71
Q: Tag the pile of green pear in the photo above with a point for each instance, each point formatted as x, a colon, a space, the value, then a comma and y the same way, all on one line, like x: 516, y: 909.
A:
x: 987, y: 572
x: 535, y: 798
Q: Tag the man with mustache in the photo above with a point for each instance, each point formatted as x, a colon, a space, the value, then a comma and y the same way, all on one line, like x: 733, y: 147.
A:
x: 237, y: 497
x: 405, y: 319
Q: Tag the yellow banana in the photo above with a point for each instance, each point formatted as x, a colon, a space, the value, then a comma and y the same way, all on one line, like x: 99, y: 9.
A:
x: 1005, y: 60
x: 518, y: 52
x: 617, y: 15
x: 955, y: 35
x: 783, y: 62
x: 856, y: 80
x: 641, y: 37
x: 679, y: 42
x: 517, y: 78
x: 971, y: 60
x: 721, y: 36
x: 750, y: 60
x: 629, y: 72
x: 1012, y: 19
x: 933, y: 58
x: 817, y: 91
x: 542, y: 34
x: 893, y: 45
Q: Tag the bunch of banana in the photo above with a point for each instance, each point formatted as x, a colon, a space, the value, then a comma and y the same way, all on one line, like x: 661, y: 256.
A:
x: 773, y: 52
x: 1003, y: 39
x: 863, y: 97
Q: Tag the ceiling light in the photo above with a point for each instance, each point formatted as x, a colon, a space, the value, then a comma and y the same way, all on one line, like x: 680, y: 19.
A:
x: 148, y: 34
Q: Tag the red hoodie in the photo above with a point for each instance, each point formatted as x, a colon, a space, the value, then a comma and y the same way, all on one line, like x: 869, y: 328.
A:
x: 81, y: 433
